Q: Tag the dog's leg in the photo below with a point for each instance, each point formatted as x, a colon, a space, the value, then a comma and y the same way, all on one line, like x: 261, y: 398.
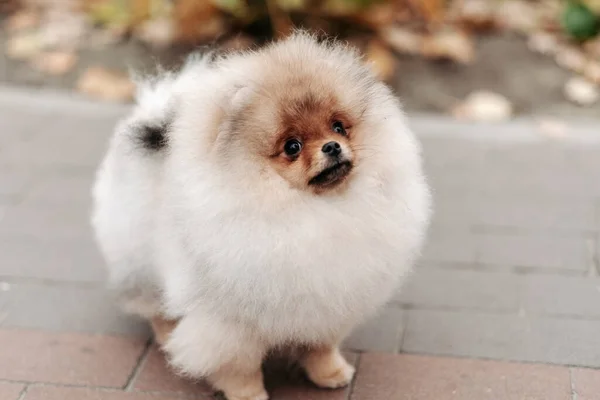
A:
x: 162, y: 328
x: 327, y: 368
x: 227, y: 354
x: 240, y: 380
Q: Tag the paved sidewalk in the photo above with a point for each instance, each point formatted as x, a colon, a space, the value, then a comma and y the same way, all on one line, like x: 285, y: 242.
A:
x: 505, y: 303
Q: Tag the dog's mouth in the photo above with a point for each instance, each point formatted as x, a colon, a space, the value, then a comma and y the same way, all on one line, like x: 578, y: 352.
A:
x: 332, y: 175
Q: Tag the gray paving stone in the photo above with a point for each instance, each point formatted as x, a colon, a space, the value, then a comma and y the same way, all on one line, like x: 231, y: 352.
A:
x: 451, y: 152
x: 510, y: 337
x: 538, y: 156
x: 3, y: 59
x: 4, y: 204
x: 26, y: 74
x: 585, y: 159
x: 512, y: 161
x: 445, y: 166
x: 539, y: 294
x: 461, y: 289
x: 450, y: 245
x: 541, y: 214
x: 17, y: 124
x: 569, y: 253
x: 49, y: 152
x: 63, y: 142
x: 453, y: 211
x: 61, y: 188
x: 15, y: 182
x: 446, y: 180
x: 51, y: 258
x: 507, y: 211
x: 552, y: 182
x: 561, y: 295
x: 60, y: 104
x: 64, y: 308
x: 42, y: 221
x: 595, y: 270
x: 383, y: 332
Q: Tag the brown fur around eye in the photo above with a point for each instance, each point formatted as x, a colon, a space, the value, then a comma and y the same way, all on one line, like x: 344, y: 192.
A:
x: 309, y: 118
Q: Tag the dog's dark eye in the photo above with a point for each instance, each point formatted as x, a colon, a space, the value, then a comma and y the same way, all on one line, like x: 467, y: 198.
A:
x: 292, y: 147
x: 338, y: 127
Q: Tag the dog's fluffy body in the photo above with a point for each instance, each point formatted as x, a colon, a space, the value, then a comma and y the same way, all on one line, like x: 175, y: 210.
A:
x: 202, y: 228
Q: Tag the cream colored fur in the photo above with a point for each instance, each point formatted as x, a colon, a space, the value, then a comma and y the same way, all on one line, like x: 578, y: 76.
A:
x: 208, y: 234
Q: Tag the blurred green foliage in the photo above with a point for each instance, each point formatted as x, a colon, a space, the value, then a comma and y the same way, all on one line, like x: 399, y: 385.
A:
x: 579, y: 21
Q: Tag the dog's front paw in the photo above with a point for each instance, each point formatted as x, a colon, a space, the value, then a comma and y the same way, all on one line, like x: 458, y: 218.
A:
x: 257, y: 396
x: 240, y: 387
x: 333, y: 379
x: 327, y: 368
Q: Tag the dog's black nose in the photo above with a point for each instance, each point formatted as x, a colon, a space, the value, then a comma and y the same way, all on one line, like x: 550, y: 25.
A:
x: 332, y: 149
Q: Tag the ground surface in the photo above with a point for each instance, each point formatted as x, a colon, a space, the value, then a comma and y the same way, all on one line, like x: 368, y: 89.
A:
x: 505, y: 303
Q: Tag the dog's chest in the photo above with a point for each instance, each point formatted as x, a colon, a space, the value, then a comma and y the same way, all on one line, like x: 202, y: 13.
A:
x: 303, y: 277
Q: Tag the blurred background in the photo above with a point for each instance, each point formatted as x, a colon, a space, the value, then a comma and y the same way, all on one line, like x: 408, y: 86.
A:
x: 473, y: 59
x: 502, y: 94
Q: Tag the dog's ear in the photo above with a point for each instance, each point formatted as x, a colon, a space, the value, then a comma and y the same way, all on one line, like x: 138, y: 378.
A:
x: 232, y: 107
x: 235, y: 102
x: 240, y: 96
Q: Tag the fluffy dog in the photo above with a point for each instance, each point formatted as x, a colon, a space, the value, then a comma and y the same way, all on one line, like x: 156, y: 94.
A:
x: 257, y: 201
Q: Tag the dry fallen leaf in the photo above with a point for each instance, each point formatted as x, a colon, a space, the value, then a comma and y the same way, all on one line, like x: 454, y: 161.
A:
x: 543, y: 43
x: 431, y: 10
x: 581, y: 92
x: 56, y: 62
x: 197, y: 20
x: 339, y: 8
x: 22, y: 20
x: 281, y: 23
x: 591, y: 71
x: 158, y: 32
x: 453, y: 45
x: 549, y: 14
x: 401, y: 40
x: 518, y: 15
x: 291, y: 5
x: 571, y: 58
x: 9, y: 6
x: 64, y: 28
x: 376, y: 15
x: 382, y: 60
x: 141, y: 10
x: 476, y: 15
x: 484, y: 106
x: 24, y: 46
x: 105, y: 84
x: 111, y: 13
x: 592, y: 47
